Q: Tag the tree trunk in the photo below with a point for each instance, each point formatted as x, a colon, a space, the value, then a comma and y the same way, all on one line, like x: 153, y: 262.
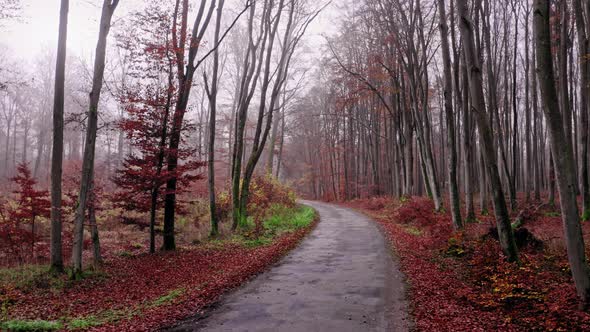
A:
x: 212, y: 94
x: 468, y: 146
x: 108, y: 8
x: 561, y: 150
x: 493, y: 105
x: 584, y: 104
x: 57, y: 154
x: 263, y: 129
x: 450, y: 120
x: 529, y: 173
x: 514, y: 175
x: 96, y: 253
x: 478, y: 106
x: 281, y: 144
x: 185, y: 81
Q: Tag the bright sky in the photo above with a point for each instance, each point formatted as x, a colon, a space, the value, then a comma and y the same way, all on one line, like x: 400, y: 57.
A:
x: 38, y: 27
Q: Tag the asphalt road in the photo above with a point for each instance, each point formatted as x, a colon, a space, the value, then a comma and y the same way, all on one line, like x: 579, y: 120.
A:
x: 341, y: 278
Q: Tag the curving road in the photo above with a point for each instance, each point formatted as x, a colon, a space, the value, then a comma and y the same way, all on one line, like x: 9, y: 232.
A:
x: 341, y: 278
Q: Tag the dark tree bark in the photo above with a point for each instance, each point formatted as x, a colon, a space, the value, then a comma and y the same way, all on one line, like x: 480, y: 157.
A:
x: 529, y: 171
x: 185, y: 83
x: 562, y: 151
x: 212, y: 95
x: 584, y: 107
x: 185, y: 80
x: 108, y: 8
x: 450, y: 119
x: 96, y: 252
x: 57, y: 154
x: 489, y: 152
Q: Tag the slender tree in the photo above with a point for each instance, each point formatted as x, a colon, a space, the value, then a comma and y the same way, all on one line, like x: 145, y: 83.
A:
x: 108, y: 9
x: 478, y: 107
x: 187, y: 65
x: 57, y: 152
x: 450, y: 119
x: 212, y: 90
x: 584, y: 106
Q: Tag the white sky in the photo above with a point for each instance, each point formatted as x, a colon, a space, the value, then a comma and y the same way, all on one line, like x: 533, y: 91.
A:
x: 38, y: 28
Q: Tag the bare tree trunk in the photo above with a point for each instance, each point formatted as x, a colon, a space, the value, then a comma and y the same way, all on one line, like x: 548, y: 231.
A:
x: 185, y: 72
x: 281, y: 144
x: 450, y: 120
x: 584, y: 103
x: 562, y: 151
x: 57, y: 154
x: 493, y: 105
x: 529, y: 172
x: 14, y: 127
x: 7, y: 145
x: 514, y: 176
x: 40, y: 151
x: 551, y: 200
x: 468, y: 148
x: 536, y: 152
x: 212, y: 95
x: 273, y: 141
x: 249, y: 79
x: 25, y: 158
x: 156, y: 183
x: 108, y: 8
x: 263, y: 129
x: 563, y: 74
x: 478, y: 106
x: 96, y: 254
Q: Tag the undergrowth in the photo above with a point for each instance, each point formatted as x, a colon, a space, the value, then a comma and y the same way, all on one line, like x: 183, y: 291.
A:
x: 461, y: 280
x: 147, y: 291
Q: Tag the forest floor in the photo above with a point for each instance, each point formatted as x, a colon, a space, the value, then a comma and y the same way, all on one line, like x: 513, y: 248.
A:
x: 142, y: 292
x: 341, y: 278
x: 461, y: 281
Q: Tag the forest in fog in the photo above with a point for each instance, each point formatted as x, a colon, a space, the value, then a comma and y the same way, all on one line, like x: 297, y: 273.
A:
x: 169, y: 104
x: 193, y: 128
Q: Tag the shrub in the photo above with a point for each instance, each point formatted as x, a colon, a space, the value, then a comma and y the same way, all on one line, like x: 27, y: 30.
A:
x: 17, y: 225
x: 265, y: 192
x: 417, y: 210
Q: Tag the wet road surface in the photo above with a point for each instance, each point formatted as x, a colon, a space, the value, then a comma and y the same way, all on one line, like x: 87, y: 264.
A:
x: 341, y: 278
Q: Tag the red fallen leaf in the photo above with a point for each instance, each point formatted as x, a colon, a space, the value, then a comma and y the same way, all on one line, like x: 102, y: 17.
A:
x: 478, y: 290
x: 133, y: 283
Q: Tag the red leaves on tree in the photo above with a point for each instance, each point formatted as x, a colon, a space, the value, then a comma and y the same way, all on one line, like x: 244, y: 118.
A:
x: 149, y: 103
x: 145, y: 169
x: 32, y: 203
x: 17, y: 228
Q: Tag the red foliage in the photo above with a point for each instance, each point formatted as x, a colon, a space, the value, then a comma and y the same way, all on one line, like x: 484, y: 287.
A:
x: 17, y: 227
x: 31, y: 203
x: 416, y: 210
x: 145, y: 170
x: 461, y: 282
x: 134, y: 283
x: 374, y: 203
x: 149, y: 102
